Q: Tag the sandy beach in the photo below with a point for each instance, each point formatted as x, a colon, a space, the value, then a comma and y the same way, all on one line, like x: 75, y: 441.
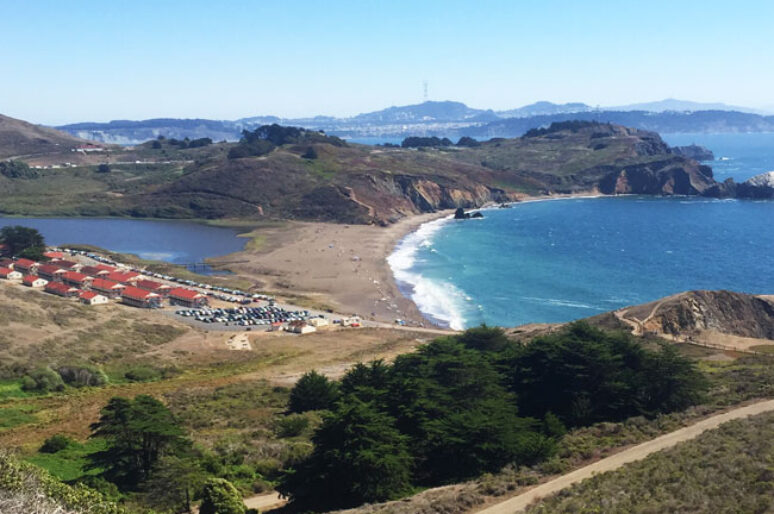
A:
x: 340, y: 266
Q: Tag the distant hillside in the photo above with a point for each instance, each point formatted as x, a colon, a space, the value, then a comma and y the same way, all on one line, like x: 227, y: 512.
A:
x: 444, y: 119
x: 544, y: 108
x: 131, y: 132
x: 311, y: 176
x: 427, y: 111
x: 671, y: 104
x: 666, y: 122
x: 20, y: 138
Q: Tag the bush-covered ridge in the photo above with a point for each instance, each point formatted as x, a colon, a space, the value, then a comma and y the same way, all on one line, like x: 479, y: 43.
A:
x: 468, y: 404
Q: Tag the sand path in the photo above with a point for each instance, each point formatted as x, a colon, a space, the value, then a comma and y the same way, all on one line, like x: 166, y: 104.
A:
x: 635, y: 453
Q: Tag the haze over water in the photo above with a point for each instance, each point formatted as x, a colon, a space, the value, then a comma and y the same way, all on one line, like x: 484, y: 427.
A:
x: 553, y: 261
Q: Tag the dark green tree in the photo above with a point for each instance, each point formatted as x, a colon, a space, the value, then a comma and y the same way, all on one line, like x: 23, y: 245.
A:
x: 103, y: 168
x: 358, y: 457
x: 17, y: 169
x: 310, y: 153
x: 23, y: 241
x: 369, y: 382
x: 313, y: 391
x: 137, y: 434
x: 174, y: 483
x: 221, y: 497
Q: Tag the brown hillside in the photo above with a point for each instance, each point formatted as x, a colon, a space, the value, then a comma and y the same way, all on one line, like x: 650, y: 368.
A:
x: 22, y: 139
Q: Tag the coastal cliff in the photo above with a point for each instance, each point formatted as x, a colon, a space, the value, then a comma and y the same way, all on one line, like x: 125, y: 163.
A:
x: 694, y: 312
x: 307, y: 175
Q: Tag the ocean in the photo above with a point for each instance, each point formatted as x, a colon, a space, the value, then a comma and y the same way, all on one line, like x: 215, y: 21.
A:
x: 560, y: 260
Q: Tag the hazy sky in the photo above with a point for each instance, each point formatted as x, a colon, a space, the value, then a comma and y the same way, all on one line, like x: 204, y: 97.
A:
x: 67, y: 61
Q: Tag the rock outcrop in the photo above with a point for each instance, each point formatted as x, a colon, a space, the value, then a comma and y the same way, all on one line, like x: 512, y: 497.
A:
x: 758, y: 187
x: 697, y: 311
x: 695, y: 152
x: 670, y: 176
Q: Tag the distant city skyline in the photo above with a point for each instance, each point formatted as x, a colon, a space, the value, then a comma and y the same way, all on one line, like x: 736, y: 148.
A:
x: 66, y: 62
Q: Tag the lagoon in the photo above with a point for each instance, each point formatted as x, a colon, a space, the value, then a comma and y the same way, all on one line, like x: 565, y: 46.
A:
x: 177, y: 242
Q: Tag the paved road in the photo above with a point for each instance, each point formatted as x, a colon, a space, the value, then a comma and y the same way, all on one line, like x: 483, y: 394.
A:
x: 639, y: 452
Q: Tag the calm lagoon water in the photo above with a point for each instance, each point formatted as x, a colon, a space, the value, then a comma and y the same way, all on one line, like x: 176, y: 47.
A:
x: 178, y: 242
x: 553, y: 261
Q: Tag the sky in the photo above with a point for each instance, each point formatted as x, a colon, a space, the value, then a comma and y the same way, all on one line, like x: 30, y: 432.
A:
x: 70, y: 61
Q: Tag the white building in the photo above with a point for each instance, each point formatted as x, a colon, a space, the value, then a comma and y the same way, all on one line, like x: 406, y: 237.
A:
x: 92, y: 298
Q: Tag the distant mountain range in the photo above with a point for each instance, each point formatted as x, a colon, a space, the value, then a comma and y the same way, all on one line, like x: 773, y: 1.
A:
x: 446, y: 119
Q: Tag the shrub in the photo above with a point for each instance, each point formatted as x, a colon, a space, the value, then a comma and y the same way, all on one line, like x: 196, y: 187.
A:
x: 313, y: 391
x: 291, y: 426
x: 82, y: 376
x: 55, y: 443
x: 310, y: 153
x: 42, y: 380
x: 221, y: 497
x: 103, y: 168
x: 143, y: 374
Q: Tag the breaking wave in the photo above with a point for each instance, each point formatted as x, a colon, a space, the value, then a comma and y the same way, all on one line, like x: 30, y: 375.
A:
x: 439, y: 300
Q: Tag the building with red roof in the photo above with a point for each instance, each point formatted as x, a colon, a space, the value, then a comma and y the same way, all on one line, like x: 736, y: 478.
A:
x: 94, y: 271
x: 51, y: 254
x: 105, y: 267
x: 109, y: 288
x: 25, y: 265
x: 187, y: 297
x: 153, y: 286
x: 125, y: 277
x: 92, y: 298
x: 9, y: 274
x: 137, y: 297
x: 34, y: 281
x: 61, y: 289
x: 76, y: 279
x: 50, y: 271
x: 70, y: 265
x: 4, y: 249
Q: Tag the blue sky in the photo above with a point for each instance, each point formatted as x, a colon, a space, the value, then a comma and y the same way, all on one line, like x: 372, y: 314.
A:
x: 67, y: 61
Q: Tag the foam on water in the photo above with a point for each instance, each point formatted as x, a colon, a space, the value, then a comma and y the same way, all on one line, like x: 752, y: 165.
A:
x: 437, y: 299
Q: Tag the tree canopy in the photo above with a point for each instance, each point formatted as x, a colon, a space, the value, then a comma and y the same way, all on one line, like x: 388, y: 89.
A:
x: 137, y: 433
x: 313, y: 391
x: 23, y: 241
x: 472, y: 403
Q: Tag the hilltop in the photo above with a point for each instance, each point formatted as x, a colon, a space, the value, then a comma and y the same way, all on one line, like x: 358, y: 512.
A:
x: 316, y: 177
x: 22, y: 139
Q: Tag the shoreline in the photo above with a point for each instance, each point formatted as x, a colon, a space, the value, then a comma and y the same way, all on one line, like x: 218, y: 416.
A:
x: 346, y: 267
x: 342, y: 267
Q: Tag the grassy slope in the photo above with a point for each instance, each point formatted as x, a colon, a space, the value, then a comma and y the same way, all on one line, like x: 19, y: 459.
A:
x: 724, y: 470
x: 356, y: 183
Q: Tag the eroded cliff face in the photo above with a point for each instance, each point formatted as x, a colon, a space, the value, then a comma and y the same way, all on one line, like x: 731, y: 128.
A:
x: 391, y: 197
x: 670, y: 176
x: 723, y: 311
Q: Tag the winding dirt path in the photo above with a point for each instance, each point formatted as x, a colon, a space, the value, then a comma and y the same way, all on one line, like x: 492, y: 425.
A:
x: 635, y: 453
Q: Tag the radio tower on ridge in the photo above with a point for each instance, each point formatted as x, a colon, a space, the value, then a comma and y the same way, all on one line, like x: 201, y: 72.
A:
x: 424, y: 89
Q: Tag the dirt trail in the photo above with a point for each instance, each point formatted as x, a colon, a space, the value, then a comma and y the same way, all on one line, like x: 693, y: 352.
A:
x: 639, y: 452
x: 265, y: 501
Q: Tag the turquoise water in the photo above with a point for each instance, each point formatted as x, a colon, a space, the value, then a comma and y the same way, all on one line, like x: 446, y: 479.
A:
x: 559, y: 260
x: 178, y: 242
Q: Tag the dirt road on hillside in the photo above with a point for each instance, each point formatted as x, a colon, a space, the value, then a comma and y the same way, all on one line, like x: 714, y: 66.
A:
x: 639, y: 452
